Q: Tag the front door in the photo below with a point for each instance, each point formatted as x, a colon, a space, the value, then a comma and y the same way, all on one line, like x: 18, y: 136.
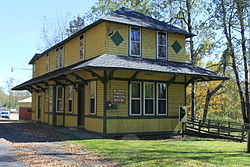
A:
x: 39, y: 108
x: 80, y: 120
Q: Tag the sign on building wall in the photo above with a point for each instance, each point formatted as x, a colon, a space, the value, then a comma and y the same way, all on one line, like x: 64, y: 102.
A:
x: 119, y: 96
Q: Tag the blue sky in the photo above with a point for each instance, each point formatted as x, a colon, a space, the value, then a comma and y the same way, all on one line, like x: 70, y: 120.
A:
x: 20, y: 29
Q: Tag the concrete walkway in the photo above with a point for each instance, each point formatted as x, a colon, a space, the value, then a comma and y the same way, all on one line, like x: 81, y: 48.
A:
x: 8, y: 156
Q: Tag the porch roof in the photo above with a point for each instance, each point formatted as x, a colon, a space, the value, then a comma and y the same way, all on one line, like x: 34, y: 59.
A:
x: 115, y: 62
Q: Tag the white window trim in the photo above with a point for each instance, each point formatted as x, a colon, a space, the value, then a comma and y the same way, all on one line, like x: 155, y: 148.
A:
x: 130, y: 98
x: 130, y: 54
x: 71, y: 98
x: 83, y: 57
x: 94, y: 113
x: 47, y: 66
x: 144, y: 98
x: 157, y: 45
x: 61, y: 99
x: 157, y: 92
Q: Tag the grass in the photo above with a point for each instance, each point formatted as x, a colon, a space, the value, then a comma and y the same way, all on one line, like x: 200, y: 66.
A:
x: 187, y: 152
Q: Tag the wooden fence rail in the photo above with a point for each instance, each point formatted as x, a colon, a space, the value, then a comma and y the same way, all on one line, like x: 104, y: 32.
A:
x: 232, y: 130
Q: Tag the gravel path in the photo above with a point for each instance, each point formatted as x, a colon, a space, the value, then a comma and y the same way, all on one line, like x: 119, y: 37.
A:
x: 38, y: 145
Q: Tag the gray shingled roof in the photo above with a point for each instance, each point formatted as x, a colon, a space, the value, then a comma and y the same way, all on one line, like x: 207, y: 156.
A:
x: 130, y: 17
x: 114, y: 62
x: 107, y: 61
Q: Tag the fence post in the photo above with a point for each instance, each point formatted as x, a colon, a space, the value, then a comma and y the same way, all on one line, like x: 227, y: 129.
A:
x: 199, y: 125
x: 208, y: 125
x: 218, y: 128
x: 242, y: 132
x: 229, y: 128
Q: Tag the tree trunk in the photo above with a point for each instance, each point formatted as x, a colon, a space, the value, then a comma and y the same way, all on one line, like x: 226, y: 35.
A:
x: 227, y: 31
x: 208, y: 98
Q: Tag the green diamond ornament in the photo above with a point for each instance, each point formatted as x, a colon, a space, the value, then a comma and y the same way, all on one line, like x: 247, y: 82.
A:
x: 176, y: 46
x: 117, y: 38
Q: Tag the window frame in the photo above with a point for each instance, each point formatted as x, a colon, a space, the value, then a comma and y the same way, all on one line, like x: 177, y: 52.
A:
x: 144, y: 98
x: 82, y: 47
x: 60, y: 99
x: 60, y: 54
x: 47, y: 65
x: 130, y: 42
x: 51, y: 91
x: 130, y: 98
x: 95, y: 88
x: 71, y: 97
x: 157, y: 98
x: 157, y: 46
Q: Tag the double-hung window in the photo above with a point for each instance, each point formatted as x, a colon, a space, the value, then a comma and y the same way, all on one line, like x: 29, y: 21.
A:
x: 59, y: 99
x: 161, y: 45
x: 50, y: 98
x: 92, y: 87
x: 149, y: 98
x: 70, y: 98
x: 47, y: 63
x: 82, y: 49
x: 59, y: 57
x: 135, y: 98
x: 135, y: 42
x: 161, y: 99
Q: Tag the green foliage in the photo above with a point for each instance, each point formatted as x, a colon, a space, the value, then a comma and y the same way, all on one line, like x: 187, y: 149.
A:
x: 193, y: 152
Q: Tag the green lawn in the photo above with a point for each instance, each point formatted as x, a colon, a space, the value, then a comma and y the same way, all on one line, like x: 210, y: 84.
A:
x: 189, y: 152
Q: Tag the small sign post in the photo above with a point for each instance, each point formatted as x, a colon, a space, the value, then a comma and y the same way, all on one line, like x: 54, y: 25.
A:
x: 183, y: 117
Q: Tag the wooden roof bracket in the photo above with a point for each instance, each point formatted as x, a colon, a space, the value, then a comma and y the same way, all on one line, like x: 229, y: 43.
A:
x: 35, y: 89
x: 78, y: 77
x: 190, y: 81
x: 94, y: 74
x: 133, y: 76
x: 45, y: 83
x: 172, y: 79
x: 56, y: 81
x: 42, y: 88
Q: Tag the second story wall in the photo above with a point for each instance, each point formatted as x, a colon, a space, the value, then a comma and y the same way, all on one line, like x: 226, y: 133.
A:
x: 148, y: 42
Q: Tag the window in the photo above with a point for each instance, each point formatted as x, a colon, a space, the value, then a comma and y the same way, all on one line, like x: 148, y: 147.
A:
x: 34, y: 68
x: 82, y: 50
x: 59, y: 98
x: 161, y: 45
x: 161, y: 99
x: 149, y: 98
x: 135, y: 98
x: 47, y: 63
x: 70, y: 98
x: 135, y: 42
x: 50, y: 98
x: 59, y: 58
x: 92, y: 97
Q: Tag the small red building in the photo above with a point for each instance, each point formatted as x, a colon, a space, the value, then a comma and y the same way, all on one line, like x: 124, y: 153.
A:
x: 25, y: 108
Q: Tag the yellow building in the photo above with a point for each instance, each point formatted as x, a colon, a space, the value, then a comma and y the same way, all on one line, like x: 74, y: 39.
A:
x: 126, y: 73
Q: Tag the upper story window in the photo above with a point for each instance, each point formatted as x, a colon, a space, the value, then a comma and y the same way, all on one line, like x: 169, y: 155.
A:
x: 47, y: 63
x: 82, y: 49
x: 161, y: 45
x: 135, y: 42
x: 34, y: 68
x: 59, y: 57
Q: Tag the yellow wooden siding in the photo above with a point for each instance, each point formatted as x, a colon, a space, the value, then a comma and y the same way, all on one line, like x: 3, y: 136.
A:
x: 95, y: 41
x: 99, y: 100
x: 70, y: 121
x: 94, y: 125
x: 123, y: 108
x: 72, y: 51
x: 176, y: 98
x: 142, y: 125
x: 172, y: 55
x: 123, y: 30
x: 148, y: 43
x: 59, y: 120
